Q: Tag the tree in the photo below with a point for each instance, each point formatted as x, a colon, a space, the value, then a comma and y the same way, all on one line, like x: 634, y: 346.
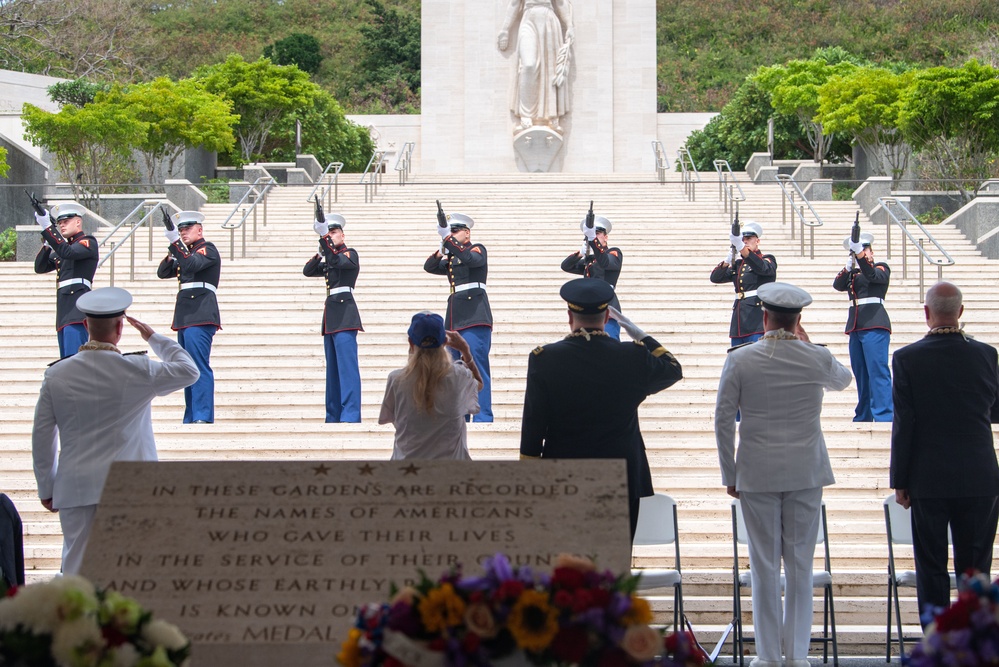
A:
x: 865, y: 104
x: 92, y: 145
x: 953, y: 115
x: 177, y: 116
x: 296, y: 49
x: 326, y: 134
x: 261, y: 92
x: 391, y: 46
x: 4, y: 167
x: 78, y: 92
x: 794, y: 90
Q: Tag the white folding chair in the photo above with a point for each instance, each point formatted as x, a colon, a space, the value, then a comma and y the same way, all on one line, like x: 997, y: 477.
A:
x: 741, y: 579
x: 657, y: 527
x: 898, y: 526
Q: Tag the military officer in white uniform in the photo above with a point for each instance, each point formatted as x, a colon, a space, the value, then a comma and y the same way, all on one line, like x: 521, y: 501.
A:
x: 781, y: 465
x: 94, y: 409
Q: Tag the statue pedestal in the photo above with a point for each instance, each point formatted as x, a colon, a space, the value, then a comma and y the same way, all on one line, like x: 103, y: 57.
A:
x: 537, y: 147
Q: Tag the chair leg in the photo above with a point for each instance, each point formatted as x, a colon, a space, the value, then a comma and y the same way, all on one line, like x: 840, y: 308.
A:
x: 825, y: 625
x: 898, y: 625
x: 888, y: 623
x: 832, y: 624
x: 677, y: 606
x: 737, y: 630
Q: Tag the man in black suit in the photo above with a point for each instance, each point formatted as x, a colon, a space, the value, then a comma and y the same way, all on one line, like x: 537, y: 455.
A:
x: 943, y: 461
x: 561, y: 419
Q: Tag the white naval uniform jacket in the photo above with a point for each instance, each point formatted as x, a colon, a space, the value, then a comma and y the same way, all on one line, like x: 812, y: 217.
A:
x: 778, y: 386
x: 94, y: 409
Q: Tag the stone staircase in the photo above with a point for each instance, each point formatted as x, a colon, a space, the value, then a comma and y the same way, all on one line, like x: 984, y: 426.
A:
x: 270, y: 370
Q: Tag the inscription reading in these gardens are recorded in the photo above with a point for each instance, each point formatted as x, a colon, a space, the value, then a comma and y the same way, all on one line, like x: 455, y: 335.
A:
x: 277, y: 552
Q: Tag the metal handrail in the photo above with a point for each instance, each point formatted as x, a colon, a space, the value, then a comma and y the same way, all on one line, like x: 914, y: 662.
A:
x: 404, y: 163
x: 687, y: 167
x: 788, y: 197
x: 374, y: 167
x: 662, y: 164
x: 725, y: 192
x: 254, y: 195
x: 151, y: 206
x: 331, y: 190
x: 887, y: 203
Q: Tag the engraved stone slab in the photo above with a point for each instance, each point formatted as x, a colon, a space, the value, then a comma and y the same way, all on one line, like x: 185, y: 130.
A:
x: 278, y: 554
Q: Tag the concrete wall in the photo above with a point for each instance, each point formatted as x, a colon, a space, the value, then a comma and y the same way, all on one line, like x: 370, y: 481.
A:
x: 979, y: 221
x: 27, y: 171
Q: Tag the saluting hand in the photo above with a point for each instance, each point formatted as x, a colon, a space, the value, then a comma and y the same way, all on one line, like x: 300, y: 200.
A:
x: 144, y: 329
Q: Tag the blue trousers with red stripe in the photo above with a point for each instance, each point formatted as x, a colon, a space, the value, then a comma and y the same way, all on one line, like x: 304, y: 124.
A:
x: 199, y: 398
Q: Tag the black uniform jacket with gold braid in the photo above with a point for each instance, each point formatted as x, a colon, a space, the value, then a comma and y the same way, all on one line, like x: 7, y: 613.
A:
x: 747, y: 275
x: 870, y: 283
x: 73, y: 259
x: 196, y: 265
x: 561, y: 419
x: 340, y: 266
x: 604, y: 263
x: 463, y: 265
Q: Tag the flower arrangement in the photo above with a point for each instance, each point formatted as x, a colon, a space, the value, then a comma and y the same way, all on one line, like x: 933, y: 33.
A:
x: 965, y: 633
x: 576, y: 615
x: 66, y: 622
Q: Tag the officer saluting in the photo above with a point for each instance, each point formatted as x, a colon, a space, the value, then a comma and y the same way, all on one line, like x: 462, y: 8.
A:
x: 196, y: 264
x: 341, y: 321
x: 596, y: 259
x: 625, y: 373
x: 465, y: 265
x: 747, y: 268
x: 866, y: 283
x: 73, y: 256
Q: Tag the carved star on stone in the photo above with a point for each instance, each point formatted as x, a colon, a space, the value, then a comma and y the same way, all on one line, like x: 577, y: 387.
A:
x: 367, y: 469
x: 322, y: 469
x: 410, y: 469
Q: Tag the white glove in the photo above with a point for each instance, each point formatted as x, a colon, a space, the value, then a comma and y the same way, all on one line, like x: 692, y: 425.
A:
x: 730, y: 257
x: 43, y: 220
x: 444, y: 232
x: 585, y: 248
x: 630, y: 327
x: 589, y: 233
x: 172, y: 235
x: 443, y: 249
x: 850, y: 263
x: 320, y: 228
x: 856, y: 248
x: 737, y: 242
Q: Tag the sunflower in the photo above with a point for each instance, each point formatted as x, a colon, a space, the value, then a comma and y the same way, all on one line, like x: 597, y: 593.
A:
x: 532, y: 621
x: 350, y: 650
x: 441, y: 609
x: 640, y: 612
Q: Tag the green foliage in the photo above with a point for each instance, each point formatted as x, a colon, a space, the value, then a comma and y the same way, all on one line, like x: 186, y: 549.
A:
x: 78, y: 92
x: 296, y: 49
x: 843, y: 191
x: 216, y: 189
x: 326, y: 134
x: 4, y: 167
x: 390, y: 49
x: 934, y: 216
x: 8, y: 247
x: 262, y: 93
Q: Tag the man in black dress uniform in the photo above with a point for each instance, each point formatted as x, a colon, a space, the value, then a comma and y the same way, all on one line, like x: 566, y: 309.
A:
x: 624, y: 374
x: 196, y: 264
x: 943, y: 459
x: 465, y: 264
x: 866, y: 283
x: 73, y: 256
x: 597, y: 259
x: 747, y: 268
x: 341, y: 321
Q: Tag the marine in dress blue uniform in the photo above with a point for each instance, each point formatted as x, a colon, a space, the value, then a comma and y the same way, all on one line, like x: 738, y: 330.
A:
x: 597, y: 259
x: 466, y: 265
x: 866, y: 283
x: 746, y: 268
x: 197, y: 265
x: 341, y: 320
x: 73, y: 256
x: 561, y: 377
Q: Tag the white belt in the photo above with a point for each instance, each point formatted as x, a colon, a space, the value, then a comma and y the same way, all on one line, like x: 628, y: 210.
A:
x: 462, y: 288
x: 340, y: 290
x: 207, y: 286
x: 72, y: 281
x: 867, y: 300
x: 746, y: 295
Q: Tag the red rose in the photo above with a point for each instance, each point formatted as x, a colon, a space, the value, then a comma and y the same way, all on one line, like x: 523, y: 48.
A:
x: 570, y: 644
x: 509, y: 589
x: 566, y: 577
x: 582, y: 601
x: 601, y: 597
x: 563, y: 599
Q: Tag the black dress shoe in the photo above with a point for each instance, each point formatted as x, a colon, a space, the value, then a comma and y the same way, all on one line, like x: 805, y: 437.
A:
x: 200, y: 421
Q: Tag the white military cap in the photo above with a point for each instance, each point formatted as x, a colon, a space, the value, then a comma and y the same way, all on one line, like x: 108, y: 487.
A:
x: 753, y: 228
x: 460, y: 220
x: 187, y: 218
x: 783, y: 297
x: 599, y: 222
x: 334, y: 220
x: 866, y: 239
x: 68, y: 210
x: 104, y: 302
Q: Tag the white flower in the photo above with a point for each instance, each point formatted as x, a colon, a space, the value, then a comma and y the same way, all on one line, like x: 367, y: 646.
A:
x: 34, y: 607
x: 74, y: 640
x: 167, y: 635
x: 125, y: 655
